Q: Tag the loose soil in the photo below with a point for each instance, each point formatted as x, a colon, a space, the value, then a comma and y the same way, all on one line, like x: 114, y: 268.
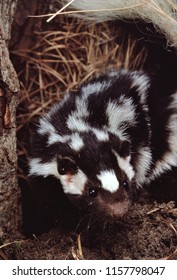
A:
x: 147, y: 232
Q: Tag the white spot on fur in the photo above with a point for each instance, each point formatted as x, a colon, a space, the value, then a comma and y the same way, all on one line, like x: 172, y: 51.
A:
x: 144, y: 160
x: 108, y: 180
x: 81, y: 107
x: 124, y: 164
x: 37, y: 168
x: 160, y: 167
x: 91, y: 88
x: 76, y: 184
x: 96, y: 87
x: 76, y: 142
x: 75, y: 124
x: 172, y: 127
x: 55, y: 138
x: 100, y: 134
x: 142, y: 82
x: 45, y: 127
x: 120, y: 115
x: 115, y: 73
x: 76, y: 120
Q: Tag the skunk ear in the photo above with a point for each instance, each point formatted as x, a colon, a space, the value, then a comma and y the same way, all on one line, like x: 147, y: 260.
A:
x: 124, y: 149
x: 66, y: 165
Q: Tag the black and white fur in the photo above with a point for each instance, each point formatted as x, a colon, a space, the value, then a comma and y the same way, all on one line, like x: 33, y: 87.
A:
x: 117, y: 133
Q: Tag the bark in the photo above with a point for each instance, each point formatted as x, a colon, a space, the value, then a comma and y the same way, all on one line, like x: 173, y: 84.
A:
x: 9, y: 86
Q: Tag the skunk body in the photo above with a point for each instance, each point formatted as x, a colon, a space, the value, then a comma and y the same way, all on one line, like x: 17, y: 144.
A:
x: 115, y: 134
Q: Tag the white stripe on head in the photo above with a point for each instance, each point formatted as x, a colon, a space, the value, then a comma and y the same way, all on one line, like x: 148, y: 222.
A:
x: 37, y: 168
x: 108, y: 180
x: 74, y: 184
x: 124, y: 164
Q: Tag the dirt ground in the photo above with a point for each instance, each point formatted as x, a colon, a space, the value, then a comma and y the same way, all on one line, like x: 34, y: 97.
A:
x: 147, y: 232
x: 52, y: 227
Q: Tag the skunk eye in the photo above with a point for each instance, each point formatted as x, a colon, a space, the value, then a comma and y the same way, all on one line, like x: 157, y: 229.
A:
x: 126, y: 185
x: 92, y: 192
x: 62, y: 171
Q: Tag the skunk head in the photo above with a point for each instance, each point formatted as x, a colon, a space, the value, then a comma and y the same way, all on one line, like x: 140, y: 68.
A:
x: 93, y: 173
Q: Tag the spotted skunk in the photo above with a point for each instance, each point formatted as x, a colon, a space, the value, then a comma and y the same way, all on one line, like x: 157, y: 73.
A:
x: 117, y: 133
